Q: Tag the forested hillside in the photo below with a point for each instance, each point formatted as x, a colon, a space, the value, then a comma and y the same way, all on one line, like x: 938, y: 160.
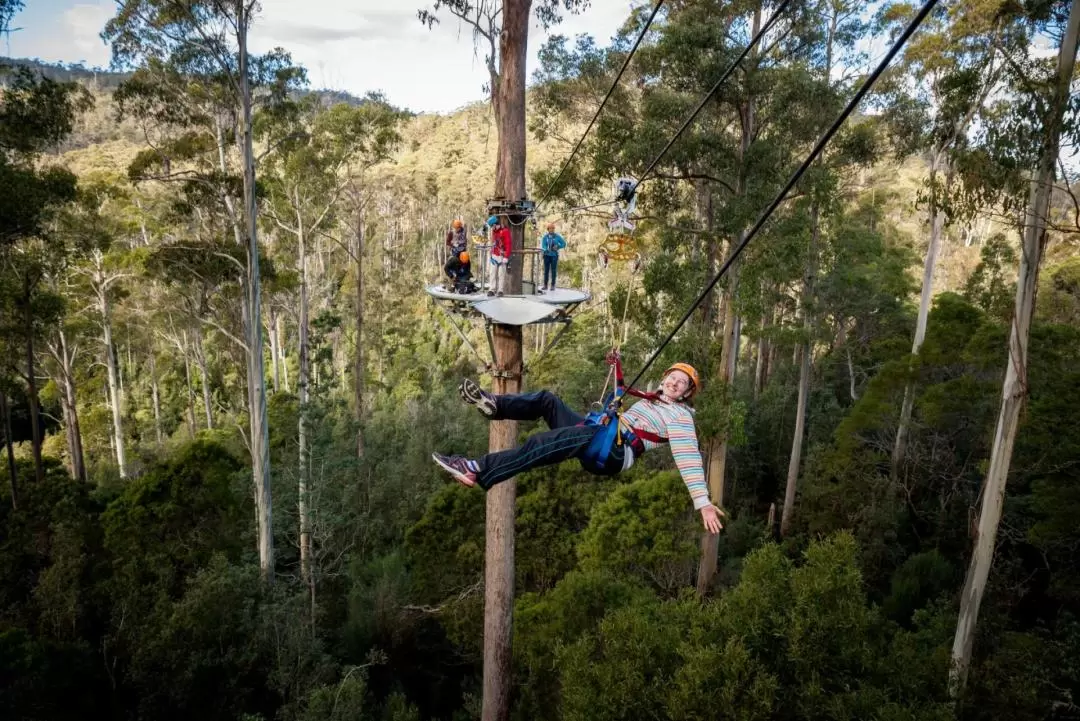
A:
x: 222, y: 380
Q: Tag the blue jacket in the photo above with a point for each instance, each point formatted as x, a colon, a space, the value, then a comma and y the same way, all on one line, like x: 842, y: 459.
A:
x: 551, y: 244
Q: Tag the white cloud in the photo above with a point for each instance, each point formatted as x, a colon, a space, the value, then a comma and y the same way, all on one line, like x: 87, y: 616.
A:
x: 84, y: 23
x: 358, y: 46
x: 370, y: 46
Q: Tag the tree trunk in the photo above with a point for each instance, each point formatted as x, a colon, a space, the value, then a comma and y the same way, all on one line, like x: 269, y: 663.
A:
x: 190, y: 388
x: 302, y: 387
x: 31, y: 384
x: 260, y: 434
x: 761, y: 359
x: 5, y: 411
x: 156, y: 396
x: 1014, y: 389
x: 937, y: 222
x: 279, y: 324
x: 114, y: 385
x: 728, y: 356
x: 717, y: 467
x: 275, y: 362
x: 204, y: 375
x: 795, y: 459
x: 74, y: 431
x: 508, y: 97
x: 358, y: 367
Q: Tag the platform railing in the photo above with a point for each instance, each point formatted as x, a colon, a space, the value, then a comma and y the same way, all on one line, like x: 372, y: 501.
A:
x: 531, y: 258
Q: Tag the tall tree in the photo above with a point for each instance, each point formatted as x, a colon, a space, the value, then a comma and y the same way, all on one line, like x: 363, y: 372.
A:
x: 955, y: 62
x: 1014, y: 389
x: 840, y: 26
x: 505, y: 24
x: 36, y: 114
x: 320, y: 151
x: 192, y: 51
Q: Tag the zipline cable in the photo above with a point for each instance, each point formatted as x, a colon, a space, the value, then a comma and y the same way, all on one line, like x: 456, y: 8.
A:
x: 611, y: 90
x: 867, y: 84
x: 723, y: 78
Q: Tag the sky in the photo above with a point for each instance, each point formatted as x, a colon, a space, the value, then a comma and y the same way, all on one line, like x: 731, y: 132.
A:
x: 352, y: 45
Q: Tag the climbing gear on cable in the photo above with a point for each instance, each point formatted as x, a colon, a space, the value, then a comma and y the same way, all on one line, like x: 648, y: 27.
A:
x: 616, y: 431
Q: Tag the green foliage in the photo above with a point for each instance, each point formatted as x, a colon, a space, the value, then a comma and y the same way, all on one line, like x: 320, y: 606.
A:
x: 141, y: 595
x: 990, y: 285
x: 643, y: 529
x: 188, y: 507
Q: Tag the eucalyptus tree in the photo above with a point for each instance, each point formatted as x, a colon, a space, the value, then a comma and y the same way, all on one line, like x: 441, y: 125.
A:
x: 36, y: 114
x: 931, y: 100
x: 504, y: 26
x: 319, y: 153
x: 197, y: 86
x: 1021, y: 138
x: 840, y: 26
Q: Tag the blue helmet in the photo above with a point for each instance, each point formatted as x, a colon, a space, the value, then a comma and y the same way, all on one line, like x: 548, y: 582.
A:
x: 492, y: 221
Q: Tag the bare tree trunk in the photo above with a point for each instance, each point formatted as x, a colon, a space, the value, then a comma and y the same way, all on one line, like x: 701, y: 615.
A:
x: 74, y: 432
x: 795, y: 459
x: 31, y: 384
x: 761, y: 358
x: 190, y: 388
x: 275, y: 362
x: 717, y: 468
x: 1014, y: 389
x: 156, y: 396
x: 937, y: 222
x: 260, y: 434
x: 358, y: 367
x: 282, y: 354
x: 5, y: 411
x: 302, y: 386
x: 200, y: 360
x: 728, y: 354
x: 508, y: 97
x: 114, y: 384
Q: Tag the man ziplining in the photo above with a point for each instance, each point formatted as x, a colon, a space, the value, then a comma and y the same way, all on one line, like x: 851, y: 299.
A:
x: 659, y: 418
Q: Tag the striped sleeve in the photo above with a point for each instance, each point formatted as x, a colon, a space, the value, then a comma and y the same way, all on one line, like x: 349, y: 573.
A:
x: 684, y: 448
x: 676, y: 423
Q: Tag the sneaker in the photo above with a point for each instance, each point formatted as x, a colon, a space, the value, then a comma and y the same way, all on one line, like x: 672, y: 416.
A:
x: 491, y: 293
x: 462, y: 469
x: 499, y: 294
x: 474, y: 395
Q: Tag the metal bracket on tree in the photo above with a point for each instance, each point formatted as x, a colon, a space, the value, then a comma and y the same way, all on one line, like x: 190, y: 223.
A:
x: 517, y: 211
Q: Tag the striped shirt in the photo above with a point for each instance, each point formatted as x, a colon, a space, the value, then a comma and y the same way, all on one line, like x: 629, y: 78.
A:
x: 674, y: 421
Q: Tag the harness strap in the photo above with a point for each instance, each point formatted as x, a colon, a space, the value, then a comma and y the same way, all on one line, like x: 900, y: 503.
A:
x: 648, y: 436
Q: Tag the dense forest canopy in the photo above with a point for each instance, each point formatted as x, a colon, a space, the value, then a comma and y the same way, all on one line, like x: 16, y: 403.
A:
x: 221, y: 380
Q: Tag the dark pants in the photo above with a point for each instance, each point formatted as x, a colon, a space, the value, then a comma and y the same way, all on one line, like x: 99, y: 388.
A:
x: 551, y: 265
x: 565, y: 440
x: 456, y: 270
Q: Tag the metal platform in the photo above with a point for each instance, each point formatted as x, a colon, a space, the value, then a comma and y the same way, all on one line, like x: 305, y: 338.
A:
x: 559, y: 296
x: 531, y: 307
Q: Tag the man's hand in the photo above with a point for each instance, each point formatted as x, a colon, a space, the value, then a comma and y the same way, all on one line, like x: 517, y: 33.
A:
x: 710, y: 514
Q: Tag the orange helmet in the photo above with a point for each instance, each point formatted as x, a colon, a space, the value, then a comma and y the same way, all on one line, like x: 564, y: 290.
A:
x: 463, y: 257
x: 688, y: 369
x: 456, y: 224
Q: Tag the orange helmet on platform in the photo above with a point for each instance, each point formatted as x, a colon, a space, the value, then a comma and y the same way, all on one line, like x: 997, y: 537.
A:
x: 463, y: 257
x: 688, y: 369
x: 457, y: 225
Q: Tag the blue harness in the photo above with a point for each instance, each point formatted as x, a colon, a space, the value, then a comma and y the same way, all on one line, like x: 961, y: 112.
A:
x: 599, y: 450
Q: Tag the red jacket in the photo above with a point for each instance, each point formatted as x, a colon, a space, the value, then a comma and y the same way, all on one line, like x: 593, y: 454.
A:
x: 501, y: 243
